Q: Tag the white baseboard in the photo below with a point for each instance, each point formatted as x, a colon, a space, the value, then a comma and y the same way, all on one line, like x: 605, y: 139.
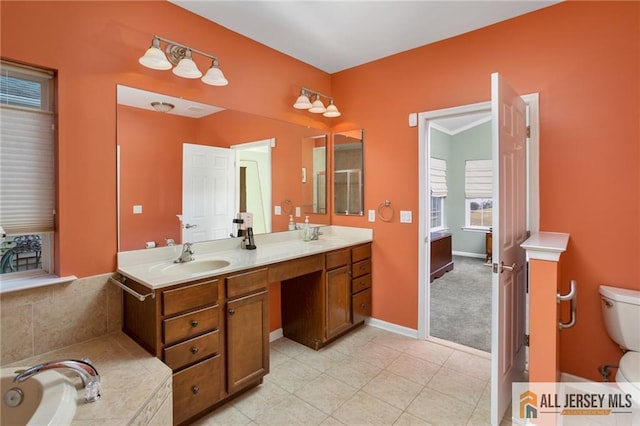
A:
x: 394, y: 328
x: 468, y: 254
x: 566, y: 377
x: 275, y: 335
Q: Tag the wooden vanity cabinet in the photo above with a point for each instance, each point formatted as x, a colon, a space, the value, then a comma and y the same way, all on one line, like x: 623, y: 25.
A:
x: 321, y: 306
x: 247, y: 329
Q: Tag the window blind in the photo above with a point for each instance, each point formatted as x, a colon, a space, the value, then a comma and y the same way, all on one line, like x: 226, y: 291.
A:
x: 27, y: 171
x: 438, y: 177
x: 478, y: 179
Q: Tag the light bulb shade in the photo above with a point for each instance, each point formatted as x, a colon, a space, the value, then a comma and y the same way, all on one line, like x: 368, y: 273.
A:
x: 162, y: 106
x: 302, y: 102
x: 332, y: 111
x: 317, y: 106
x: 155, y: 59
x: 187, y: 68
x: 214, y: 77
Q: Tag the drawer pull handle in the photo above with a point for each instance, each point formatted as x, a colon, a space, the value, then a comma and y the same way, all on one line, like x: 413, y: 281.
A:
x: 194, y: 323
x: 362, y: 305
x: 232, y: 311
x: 195, y: 350
x: 195, y: 390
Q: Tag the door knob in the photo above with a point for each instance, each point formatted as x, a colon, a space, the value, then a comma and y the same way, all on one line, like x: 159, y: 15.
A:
x: 504, y: 267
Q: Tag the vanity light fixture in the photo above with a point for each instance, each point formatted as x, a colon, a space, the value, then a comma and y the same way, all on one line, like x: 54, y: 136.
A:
x: 162, y: 106
x: 181, y: 55
x: 304, y: 102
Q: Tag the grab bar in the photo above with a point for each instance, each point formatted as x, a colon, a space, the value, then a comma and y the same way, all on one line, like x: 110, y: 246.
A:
x: 140, y: 297
x: 573, y: 297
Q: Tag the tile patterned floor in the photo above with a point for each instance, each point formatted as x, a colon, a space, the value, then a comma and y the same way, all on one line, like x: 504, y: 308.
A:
x: 369, y: 377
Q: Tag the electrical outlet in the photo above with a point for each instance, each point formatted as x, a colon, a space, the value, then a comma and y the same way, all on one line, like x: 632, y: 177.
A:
x: 137, y: 209
x: 372, y: 215
x: 405, y: 216
x: 298, y: 212
x: 277, y: 210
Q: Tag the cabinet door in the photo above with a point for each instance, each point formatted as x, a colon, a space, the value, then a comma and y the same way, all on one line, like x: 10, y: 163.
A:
x: 247, y: 340
x: 338, y: 300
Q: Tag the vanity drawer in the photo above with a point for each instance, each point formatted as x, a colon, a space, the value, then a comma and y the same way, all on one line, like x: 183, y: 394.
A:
x: 361, y: 252
x: 196, y: 388
x: 189, y: 297
x: 361, y: 268
x: 192, y: 350
x: 338, y: 258
x: 361, y: 304
x: 249, y: 282
x: 360, y: 283
x: 190, y: 324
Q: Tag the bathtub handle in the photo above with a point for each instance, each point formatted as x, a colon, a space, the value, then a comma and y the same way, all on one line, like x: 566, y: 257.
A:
x: 573, y: 297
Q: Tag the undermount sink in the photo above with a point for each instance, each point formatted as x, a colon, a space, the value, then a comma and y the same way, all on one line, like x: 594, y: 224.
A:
x: 48, y: 398
x: 195, y: 266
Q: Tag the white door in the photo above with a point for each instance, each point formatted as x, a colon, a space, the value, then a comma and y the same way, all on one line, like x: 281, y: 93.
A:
x: 509, y: 231
x: 208, y: 185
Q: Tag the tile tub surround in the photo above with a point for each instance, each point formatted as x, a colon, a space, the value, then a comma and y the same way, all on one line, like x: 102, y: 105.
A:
x: 43, y: 319
x: 145, y: 266
x: 136, y: 387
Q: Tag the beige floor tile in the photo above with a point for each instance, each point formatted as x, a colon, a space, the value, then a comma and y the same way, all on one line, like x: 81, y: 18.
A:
x: 440, y: 409
x: 378, y: 355
x: 277, y: 358
x: 326, y: 393
x: 323, y: 359
x: 393, y: 389
x: 292, y: 375
x: 332, y: 421
x: 365, y: 409
x: 472, y: 365
x: 354, y: 373
x: 227, y: 415
x: 256, y: 400
x: 395, y: 341
x: 415, y: 369
x: 407, y: 419
x: 460, y: 386
x: 291, y: 411
x: 429, y: 351
x: 288, y: 347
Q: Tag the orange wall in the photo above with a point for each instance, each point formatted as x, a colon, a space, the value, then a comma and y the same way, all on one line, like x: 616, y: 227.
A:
x: 582, y: 57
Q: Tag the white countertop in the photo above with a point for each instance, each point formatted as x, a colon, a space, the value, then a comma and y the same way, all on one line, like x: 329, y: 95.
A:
x: 146, y: 266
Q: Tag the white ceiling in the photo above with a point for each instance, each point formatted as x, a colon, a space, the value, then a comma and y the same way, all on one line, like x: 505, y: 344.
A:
x: 142, y: 99
x: 335, y: 35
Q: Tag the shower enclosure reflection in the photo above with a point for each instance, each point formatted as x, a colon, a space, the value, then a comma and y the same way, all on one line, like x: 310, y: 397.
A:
x: 348, y: 162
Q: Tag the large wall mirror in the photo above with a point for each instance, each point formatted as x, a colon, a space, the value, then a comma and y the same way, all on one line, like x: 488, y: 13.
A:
x: 185, y: 173
x: 348, y: 172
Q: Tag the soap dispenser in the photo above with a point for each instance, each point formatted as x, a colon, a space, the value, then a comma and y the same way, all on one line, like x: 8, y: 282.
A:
x: 306, y: 231
x: 292, y: 224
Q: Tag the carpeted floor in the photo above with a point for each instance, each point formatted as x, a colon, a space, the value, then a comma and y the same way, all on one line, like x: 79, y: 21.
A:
x: 461, y: 304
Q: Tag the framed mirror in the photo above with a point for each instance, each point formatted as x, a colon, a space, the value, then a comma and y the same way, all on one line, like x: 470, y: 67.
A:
x: 314, y: 174
x: 348, y: 172
x: 250, y: 163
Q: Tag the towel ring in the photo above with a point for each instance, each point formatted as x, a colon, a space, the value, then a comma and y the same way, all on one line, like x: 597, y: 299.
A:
x: 383, y: 214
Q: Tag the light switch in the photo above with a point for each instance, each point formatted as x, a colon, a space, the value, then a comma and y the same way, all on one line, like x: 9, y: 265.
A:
x: 413, y: 119
x: 372, y: 215
x: 137, y: 209
x: 298, y: 212
x: 405, y: 216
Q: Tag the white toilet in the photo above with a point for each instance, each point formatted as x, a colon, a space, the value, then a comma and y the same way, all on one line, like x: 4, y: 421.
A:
x: 621, y: 312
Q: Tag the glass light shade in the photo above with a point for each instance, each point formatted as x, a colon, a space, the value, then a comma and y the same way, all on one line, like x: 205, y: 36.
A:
x: 332, y: 111
x: 162, y: 106
x: 302, y: 102
x: 187, y: 68
x: 317, y: 106
x: 214, y: 77
x: 155, y: 59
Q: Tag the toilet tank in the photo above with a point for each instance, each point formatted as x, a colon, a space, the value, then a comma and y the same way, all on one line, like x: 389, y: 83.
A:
x: 621, y: 312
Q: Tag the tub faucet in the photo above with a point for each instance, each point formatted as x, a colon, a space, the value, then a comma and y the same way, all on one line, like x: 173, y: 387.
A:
x: 87, y: 372
x: 187, y: 254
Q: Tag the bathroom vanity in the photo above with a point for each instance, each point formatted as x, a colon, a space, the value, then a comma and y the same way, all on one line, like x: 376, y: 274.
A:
x: 211, y: 326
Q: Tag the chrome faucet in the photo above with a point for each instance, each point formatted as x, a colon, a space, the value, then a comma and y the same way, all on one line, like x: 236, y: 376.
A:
x: 87, y: 372
x: 187, y: 254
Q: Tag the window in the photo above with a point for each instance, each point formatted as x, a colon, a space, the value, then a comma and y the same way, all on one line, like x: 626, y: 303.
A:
x: 27, y: 168
x: 438, y: 183
x: 478, y: 194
